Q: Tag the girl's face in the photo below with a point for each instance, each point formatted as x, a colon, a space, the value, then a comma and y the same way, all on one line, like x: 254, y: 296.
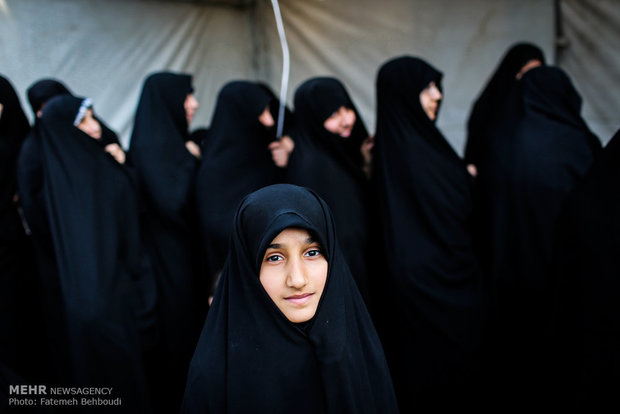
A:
x: 341, y: 122
x: 429, y: 99
x: 90, y: 125
x: 191, y: 105
x: 293, y: 273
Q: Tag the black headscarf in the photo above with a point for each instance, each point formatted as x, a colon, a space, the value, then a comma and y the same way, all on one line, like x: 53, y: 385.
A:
x: 166, y: 173
x: 332, y: 166
x: 106, y: 279
x: 236, y: 161
x: 250, y: 358
x: 488, y: 110
x: 425, y: 206
x: 43, y: 90
x: 587, y: 276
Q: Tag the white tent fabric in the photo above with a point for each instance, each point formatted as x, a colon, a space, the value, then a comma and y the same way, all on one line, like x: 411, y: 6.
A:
x: 591, y: 55
x: 463, y: 39
x: 105, y: 48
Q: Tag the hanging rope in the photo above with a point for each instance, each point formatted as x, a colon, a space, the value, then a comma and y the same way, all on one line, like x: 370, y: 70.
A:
x: 285, y: 67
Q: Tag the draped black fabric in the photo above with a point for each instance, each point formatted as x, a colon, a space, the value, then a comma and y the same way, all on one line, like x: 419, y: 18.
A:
x: 32, y: 201
x: 235, y: 161
x: 30, y: 168
x: 14, y: 127
x: 250, y: 358
x: 166, y: 172
x: 542, y: 152
x: 488, y: 110
x: 20, y: 318
x: 587, y: 276
x: 157, y: 149
x: 424, y: 195
x: 332, y: 166
x: 106, y: 279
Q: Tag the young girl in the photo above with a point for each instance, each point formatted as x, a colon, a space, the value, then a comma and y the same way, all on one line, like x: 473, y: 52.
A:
x: 287, y: 331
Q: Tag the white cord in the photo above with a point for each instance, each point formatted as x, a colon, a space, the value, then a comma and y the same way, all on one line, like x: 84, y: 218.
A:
x: 285, y: 67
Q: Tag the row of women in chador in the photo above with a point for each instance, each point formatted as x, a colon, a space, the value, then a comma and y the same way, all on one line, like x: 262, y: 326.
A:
x: 415, y: 237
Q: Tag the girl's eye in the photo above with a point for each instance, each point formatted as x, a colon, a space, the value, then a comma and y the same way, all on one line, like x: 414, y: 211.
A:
x: 313, y: 253
x: 274, y: 258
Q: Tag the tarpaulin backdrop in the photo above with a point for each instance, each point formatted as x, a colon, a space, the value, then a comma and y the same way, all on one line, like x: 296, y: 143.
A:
x: 105, y: 48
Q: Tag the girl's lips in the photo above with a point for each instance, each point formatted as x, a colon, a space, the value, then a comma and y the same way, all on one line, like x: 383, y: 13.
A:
x: 299, y: 299
x: 346, y: 133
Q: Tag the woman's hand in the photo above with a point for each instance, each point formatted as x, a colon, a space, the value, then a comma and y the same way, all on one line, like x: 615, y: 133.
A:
x: 471, y: 168
x: 117, y: 152
x: 193, y: 149
x: 366, y: 150
x: 281, y: 150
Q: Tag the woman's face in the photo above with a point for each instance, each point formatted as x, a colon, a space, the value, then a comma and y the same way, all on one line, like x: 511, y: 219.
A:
x: 90, y: 125
x: 429, y: 98
x: 266, y: 118
x: 341, y: 122
x: 293, y: 273
x: 191, y: 105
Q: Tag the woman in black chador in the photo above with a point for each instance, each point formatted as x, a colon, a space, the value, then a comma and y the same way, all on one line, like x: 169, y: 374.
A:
x: 288, y: 330
x: 544, y: 150
x: 236, y: 161
x: 106, y: 281
x: 493, y: 103
x: 166, y: 162
x: 19, y: 312
x: 30, y: 168
x: 587, y: 275
x: 327, y: 158
x: 32, y: 201
x: 424, y: 194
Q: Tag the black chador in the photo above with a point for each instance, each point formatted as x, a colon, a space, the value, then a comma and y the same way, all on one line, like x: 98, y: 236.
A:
x: 19, y: 309
x: 586, y: 273
x: 105, y: 277
x: 252, y: 358
x: 30, y: 168
x: 424, y: 194
x: 166, y: 171
x: 32, y: 200
x: 542, y: 152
